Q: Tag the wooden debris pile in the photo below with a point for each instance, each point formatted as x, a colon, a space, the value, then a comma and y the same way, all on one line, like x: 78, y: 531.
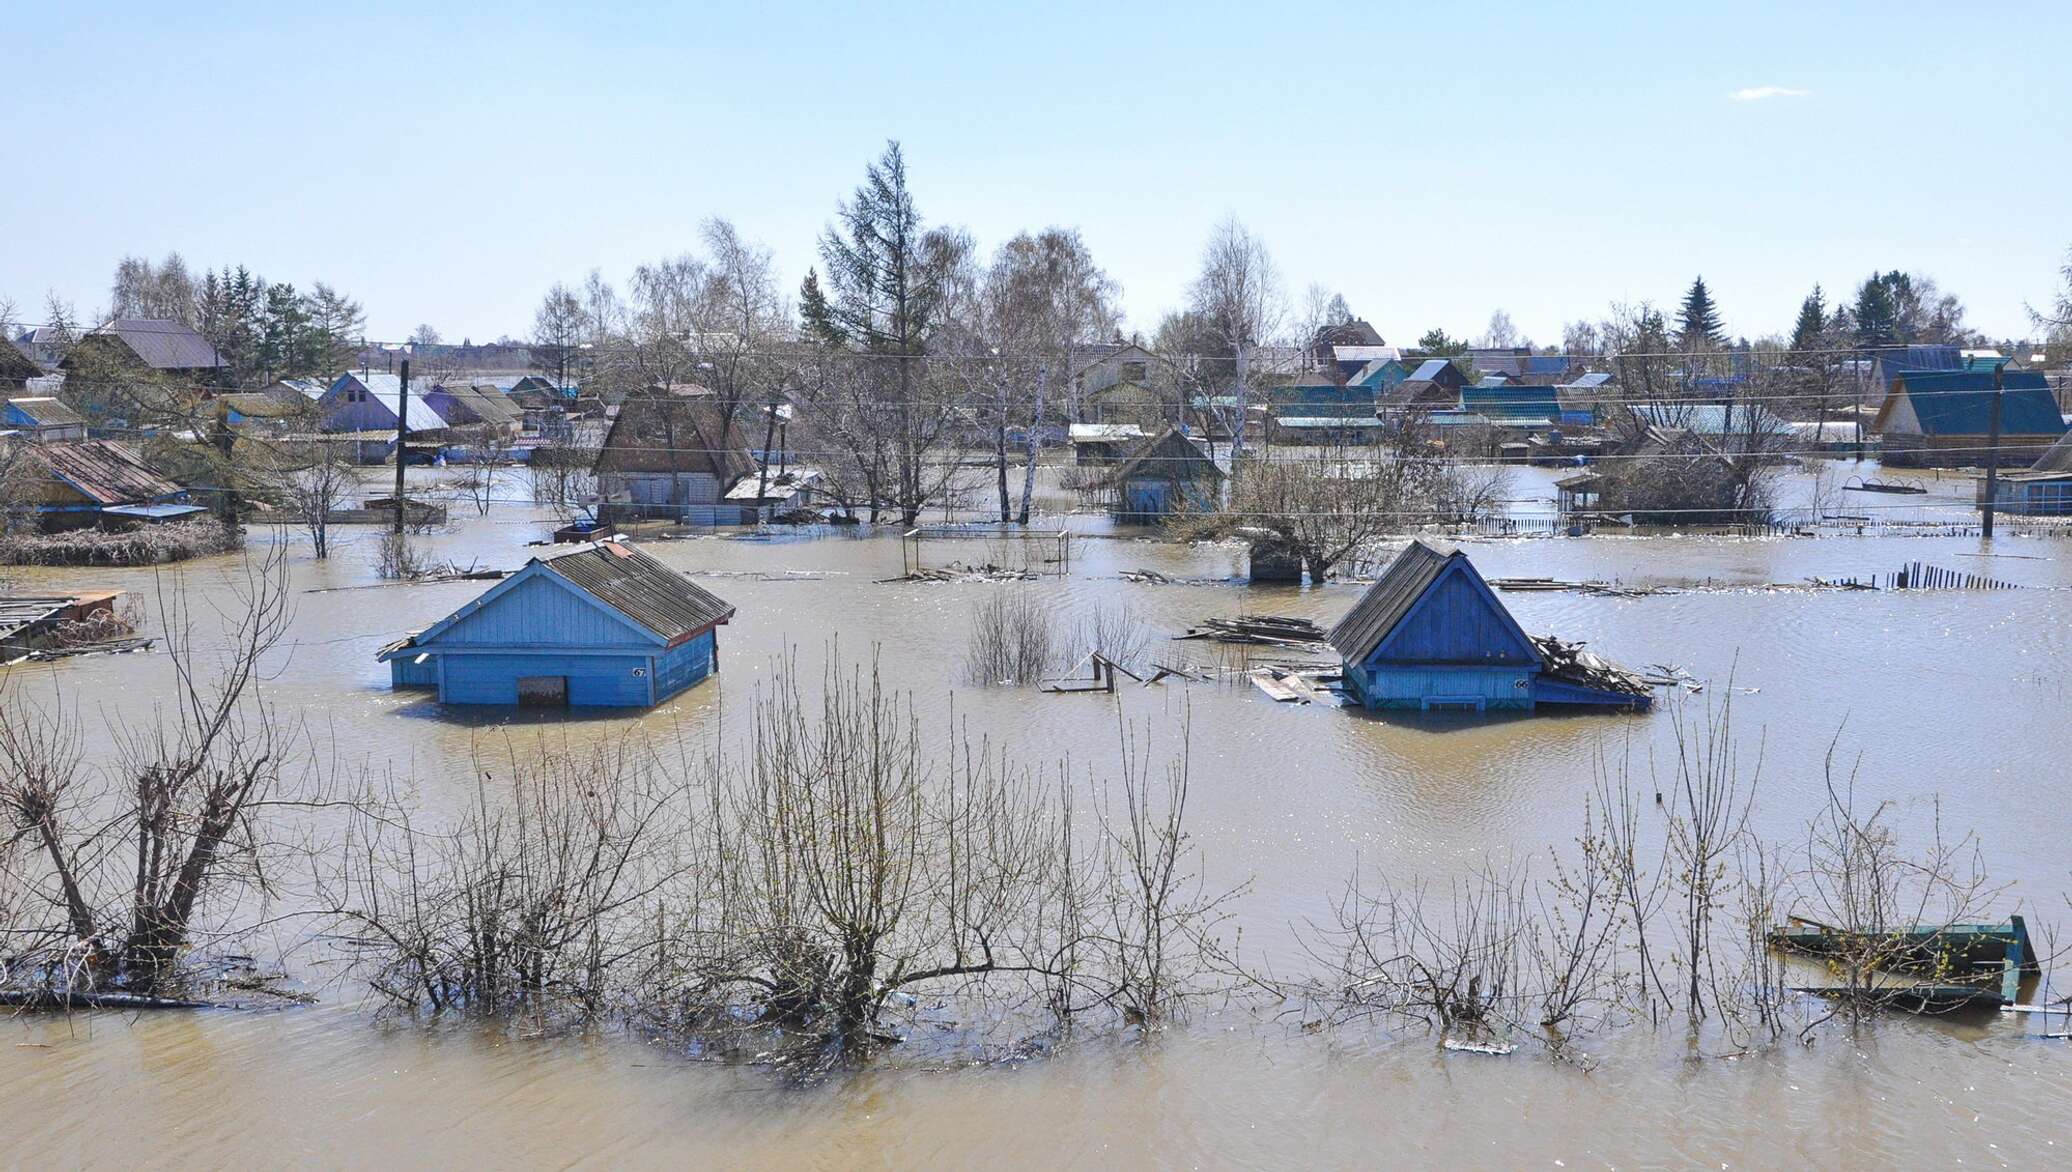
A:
x: 1261, y: 630
x: 1572, y: 663
x: 1292, y: 685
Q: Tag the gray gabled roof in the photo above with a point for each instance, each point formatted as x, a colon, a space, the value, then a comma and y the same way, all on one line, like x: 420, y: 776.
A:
x: 650, y: 594
x: 1390, y: 598
x: 164, y: 344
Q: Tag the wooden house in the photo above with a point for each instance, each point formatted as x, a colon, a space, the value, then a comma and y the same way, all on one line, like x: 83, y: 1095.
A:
x: 670, y: 454
x: 16, y: 368
x: 1430, y: 635
x: 480, y: 408
x: 1435, y: 385
x: 1165, y: 476
x: 1103, y: 443
x: 42, y: 419
x: 75, y: 484
x: 1943, y: 419
x: 2042, y: 490
x: 604, y: 626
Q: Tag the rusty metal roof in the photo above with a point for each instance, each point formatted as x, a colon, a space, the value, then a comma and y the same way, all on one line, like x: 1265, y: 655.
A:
x: 641, y: 588
x: 667, y: 432
x: 105, y: 472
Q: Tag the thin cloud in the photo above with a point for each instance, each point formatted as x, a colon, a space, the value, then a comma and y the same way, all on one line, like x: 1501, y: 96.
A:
x: 1757, y: 93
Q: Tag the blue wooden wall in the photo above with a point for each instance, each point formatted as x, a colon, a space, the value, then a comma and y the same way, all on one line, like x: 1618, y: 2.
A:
x: 594, y: 681
x: 1421, y: 687
x: 684, y: 665
x: 544, y: 610
x: 1457, y: 621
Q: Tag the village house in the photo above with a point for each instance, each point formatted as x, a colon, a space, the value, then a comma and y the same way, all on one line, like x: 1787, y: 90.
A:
x: 1891, y: 362
x: 1164, y: 477
x: 605, y: 626
x: 670, y: 454
x: 138, y: 373
x: 79, y: 483
x: 476, y: 405
x: 42, y: 420
x: 1430, y: 635
x: 1943, y: 419
x: 1125, y: 384
x: 1103, y: 443
x: 364, y: 406
x: 2042, y: 490
x: 1434, y: 386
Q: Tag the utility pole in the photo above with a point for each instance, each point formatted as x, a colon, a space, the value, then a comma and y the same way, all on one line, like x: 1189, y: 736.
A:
x: 1993, y: 453
x: 402, y: 441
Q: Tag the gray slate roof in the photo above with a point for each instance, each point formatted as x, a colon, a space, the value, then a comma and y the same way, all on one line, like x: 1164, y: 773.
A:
x: 1388, y: 600
x: 164, y: 344
x: 649, y: 593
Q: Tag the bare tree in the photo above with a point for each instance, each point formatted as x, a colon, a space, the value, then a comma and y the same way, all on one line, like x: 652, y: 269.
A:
x: 314, y: 480
x: 1237, y: 297
x: 117, y: 899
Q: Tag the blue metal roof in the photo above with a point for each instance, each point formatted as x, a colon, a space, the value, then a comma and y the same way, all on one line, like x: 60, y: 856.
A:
x: 1513, y: 401
x: 1961, y: 402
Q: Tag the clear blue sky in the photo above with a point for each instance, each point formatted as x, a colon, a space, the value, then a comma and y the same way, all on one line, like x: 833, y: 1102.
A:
x: 445, y: 163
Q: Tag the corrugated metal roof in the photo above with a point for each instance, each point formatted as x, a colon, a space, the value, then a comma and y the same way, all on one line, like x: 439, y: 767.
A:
x: 1961, y: 402
x: 46, y: 412
x: 1430, y: 369
x: 104, y: 472
x: 163, y: 344
x: 641, y: 588
x: 675, y: 433
x: 1390, y: 598
x: 155, y: 512
x: 1501, y: 400
x: 2058, y: 458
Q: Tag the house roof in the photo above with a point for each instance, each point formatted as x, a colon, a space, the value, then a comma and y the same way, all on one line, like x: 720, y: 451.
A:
x: 1169, y: 454
x: 162, y: 344
x: 2058, y: 458
x: 1503, y: 400
x: 1710, y: 418
x: 1430, y: 370
x: 1595, y: 378
x: 1390, y: 599
x: 659, y: 432
x: 15, y: 366
x: 1961, y: 403
x: 1103, y: 433
x: 104, y: 472
x: 46, y: 412
x: 650, y: 594
x: 480, y: 403
x: 387, y: 390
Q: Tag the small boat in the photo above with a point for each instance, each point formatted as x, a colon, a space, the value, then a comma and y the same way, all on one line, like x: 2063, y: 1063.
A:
x: 1884, y: 486
x: 1969, y: 966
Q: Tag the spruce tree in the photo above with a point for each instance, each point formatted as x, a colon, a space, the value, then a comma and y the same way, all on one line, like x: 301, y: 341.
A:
x: 1812, y: 323
x: 1877, y: 317
x: 1698, y: 325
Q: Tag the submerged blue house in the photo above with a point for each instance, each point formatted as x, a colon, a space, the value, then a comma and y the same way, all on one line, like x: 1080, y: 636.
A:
x: 1430, y: 635
x: 606, y: 626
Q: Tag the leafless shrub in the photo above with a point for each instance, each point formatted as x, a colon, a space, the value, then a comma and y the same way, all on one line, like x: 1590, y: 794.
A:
x: 1014, y: 640
x: 397, y: 558
x: 1116, y: 632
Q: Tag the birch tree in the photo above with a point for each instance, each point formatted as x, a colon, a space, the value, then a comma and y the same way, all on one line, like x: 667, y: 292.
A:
x: 1238, y: 297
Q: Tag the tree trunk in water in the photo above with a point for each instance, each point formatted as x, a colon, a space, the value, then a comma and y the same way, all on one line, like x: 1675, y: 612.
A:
x: 1029, y: 473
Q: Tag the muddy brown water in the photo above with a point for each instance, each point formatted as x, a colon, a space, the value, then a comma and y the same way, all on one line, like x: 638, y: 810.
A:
x: 1961, y: 697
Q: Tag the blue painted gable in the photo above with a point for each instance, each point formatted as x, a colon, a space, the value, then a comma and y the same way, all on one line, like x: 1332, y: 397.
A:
x: 535, y: 600
x: 1457, y: 620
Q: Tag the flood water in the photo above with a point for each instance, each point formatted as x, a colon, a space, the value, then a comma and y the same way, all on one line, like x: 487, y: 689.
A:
x: 1956, y: 702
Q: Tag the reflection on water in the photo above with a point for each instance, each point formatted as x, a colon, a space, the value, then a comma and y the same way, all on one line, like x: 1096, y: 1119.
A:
x: 1958, y: 695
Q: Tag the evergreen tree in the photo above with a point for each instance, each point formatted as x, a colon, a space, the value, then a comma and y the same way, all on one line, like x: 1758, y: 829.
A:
x: 1698, y: 324
x: 1808, y: 333
x: 1877, y: 313
x: 1439, y: 344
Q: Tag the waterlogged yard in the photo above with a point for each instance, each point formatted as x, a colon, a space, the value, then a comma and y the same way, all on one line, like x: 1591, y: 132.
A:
x: 846, y: 903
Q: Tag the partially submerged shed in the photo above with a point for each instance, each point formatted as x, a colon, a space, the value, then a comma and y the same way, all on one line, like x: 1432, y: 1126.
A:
x: 1430, y: 635
x: 603, y: 626
x: 1165, y: 477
